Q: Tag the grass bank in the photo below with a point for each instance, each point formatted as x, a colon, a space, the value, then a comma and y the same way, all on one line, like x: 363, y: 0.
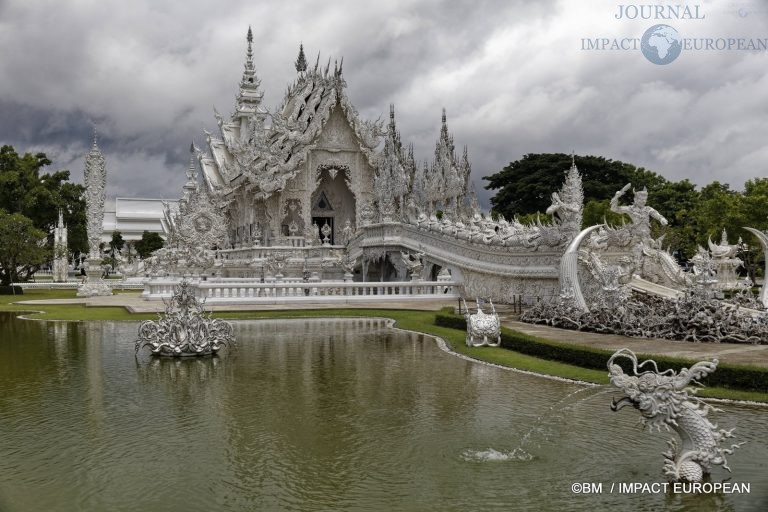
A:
x: 542, y: 358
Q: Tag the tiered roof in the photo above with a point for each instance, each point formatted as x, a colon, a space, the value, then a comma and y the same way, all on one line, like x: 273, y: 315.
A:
x: 248, y: 152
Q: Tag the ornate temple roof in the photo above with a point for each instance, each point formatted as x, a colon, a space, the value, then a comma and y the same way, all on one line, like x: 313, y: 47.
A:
x: 247, y: 151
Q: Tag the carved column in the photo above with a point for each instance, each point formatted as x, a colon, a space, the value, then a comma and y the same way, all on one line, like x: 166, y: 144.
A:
x: 95, y: 195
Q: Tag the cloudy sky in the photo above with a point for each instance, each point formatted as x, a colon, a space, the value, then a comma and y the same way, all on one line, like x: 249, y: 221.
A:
x: 511, y: 74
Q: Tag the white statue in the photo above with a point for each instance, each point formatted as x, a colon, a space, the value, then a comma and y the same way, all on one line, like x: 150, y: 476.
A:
x: 413, y: 263
x: 666, y: 399
x: 485, y: 326
x: 639, y: 212
x: 346, y: 232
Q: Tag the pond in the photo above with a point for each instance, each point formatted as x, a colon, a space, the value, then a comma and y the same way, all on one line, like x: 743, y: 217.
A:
x: 344, y: 414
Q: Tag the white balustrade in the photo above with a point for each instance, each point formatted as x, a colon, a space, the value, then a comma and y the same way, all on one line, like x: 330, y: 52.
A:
x: 222, y: 291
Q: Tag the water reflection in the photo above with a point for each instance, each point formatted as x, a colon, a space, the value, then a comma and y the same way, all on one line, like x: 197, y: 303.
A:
x: 316, y: 415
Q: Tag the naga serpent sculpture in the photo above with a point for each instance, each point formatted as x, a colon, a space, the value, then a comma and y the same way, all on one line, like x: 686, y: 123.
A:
x: 482, y: 325
x: 667, y: 399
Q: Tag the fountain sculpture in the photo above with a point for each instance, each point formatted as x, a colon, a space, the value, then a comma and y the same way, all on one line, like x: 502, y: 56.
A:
x: 484, y: 326
x: 666, y: 399
x: 185, y: 329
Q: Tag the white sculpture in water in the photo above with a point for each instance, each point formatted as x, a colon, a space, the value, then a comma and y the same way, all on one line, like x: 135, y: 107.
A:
x: 483, y: 326
x: 666, y: 399
x: 185, y: 329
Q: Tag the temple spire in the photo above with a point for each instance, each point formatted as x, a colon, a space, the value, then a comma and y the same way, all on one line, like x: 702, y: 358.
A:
x: 443, y: 115
x: 191, y: 170
x: 301, y: 60
x: 249, y: 74
x: 249, y: 97
x: 95, y: 180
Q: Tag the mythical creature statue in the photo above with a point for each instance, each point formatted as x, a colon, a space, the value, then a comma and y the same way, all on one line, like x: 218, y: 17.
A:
x: 666, y: 399
x: 567, y: 215
x: 413, y: 263
x: 484, y: 326
x: 704, y: 269
x: 348, y: 264
x: 726, y: 262
x: 724, y: 249
x: 639, y: 212
x: 185, y: 329
x: 130, y: 267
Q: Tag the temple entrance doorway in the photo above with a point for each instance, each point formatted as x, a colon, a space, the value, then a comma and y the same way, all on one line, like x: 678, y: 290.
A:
x: 332, y: 202
x: 320, y: 222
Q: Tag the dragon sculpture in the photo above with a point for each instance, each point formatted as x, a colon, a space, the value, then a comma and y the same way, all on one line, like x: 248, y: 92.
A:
x: 483, y: 326
x: 184, y: 329
x: 666, y: 399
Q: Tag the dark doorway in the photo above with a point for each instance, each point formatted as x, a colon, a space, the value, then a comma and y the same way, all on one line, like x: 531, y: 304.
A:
x: 322, y: 221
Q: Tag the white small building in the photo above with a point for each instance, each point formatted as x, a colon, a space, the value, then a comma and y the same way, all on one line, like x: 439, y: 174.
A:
x: 132, y: 216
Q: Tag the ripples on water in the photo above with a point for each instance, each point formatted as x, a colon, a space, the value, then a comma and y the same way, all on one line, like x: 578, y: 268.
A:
x: 317, y: 415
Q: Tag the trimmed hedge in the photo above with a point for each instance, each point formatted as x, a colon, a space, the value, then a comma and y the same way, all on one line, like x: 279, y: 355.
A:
x: 747, y: 378
x: 11, y: 290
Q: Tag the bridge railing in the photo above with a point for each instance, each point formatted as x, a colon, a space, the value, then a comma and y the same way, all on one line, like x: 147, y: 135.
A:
x: 258, y: 253
x: 339, y: 291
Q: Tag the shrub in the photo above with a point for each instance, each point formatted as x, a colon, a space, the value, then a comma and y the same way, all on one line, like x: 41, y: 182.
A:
x: 748, y: 378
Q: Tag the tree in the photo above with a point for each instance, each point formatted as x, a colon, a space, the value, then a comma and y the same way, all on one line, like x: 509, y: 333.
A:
x: 116, y: 245
x: 149, y: 243
x: 526, y: 185
x: 598, y: 211
x: 26, y: 190
x: 22, y: 248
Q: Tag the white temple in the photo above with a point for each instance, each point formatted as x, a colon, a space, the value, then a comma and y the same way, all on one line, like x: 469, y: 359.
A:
x: 280, y: 178
x: 311, y: 200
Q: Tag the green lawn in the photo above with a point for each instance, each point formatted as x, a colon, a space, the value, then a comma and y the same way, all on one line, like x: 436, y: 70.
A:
x: 420, y: 321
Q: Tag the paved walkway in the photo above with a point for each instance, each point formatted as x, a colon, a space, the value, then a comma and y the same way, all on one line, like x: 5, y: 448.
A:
x: 135, y: 304
x: 726, y: 352
x: 734, y: 353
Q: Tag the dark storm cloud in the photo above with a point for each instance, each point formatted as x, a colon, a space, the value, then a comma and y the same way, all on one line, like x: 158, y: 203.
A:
x: 510, y: 74
x: 28, y: 125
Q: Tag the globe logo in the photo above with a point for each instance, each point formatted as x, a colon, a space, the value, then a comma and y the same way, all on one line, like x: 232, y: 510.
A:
x: 661, y: 44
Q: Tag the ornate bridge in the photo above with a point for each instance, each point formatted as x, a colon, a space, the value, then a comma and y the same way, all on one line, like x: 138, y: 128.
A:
x: 485, y: 270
